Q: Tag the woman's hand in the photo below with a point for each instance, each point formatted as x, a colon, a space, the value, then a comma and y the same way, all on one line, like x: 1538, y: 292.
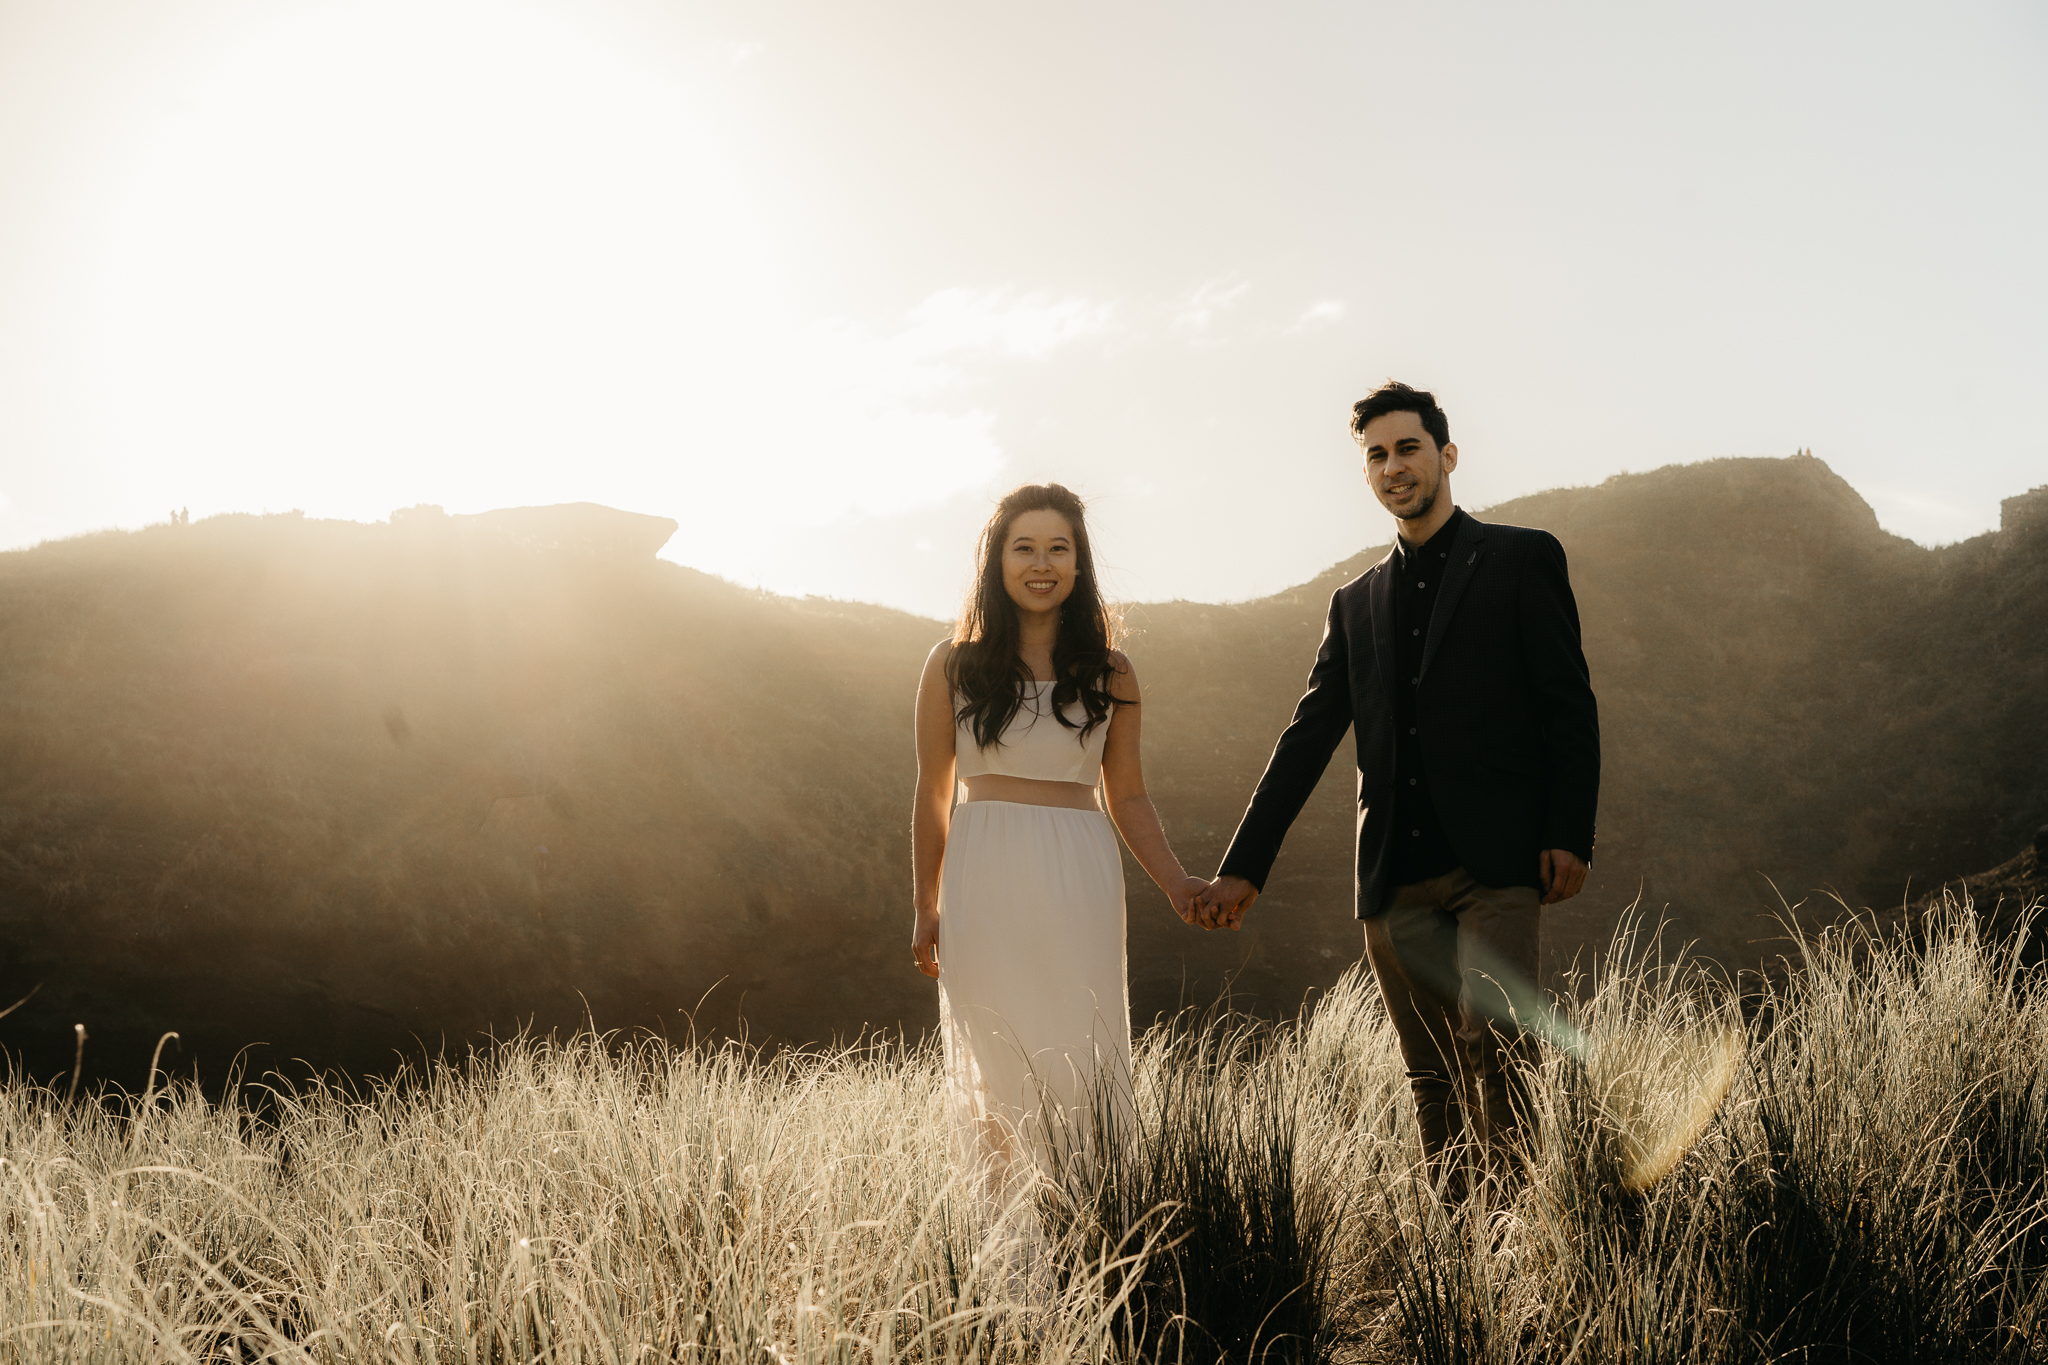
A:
x: 1183, y: 893
x: 931, y: 810
x: 924, y: 942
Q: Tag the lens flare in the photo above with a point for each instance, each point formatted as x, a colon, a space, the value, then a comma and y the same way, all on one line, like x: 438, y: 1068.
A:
x: 1657, y: 1085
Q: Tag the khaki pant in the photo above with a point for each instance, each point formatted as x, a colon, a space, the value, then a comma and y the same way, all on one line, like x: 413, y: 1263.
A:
x: 1450, y: 954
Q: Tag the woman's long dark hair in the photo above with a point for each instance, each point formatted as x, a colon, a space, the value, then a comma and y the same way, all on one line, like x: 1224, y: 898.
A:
x: 987, y: 675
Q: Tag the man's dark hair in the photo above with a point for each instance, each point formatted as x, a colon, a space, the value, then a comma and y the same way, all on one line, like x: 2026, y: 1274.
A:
x: 1394, y: 396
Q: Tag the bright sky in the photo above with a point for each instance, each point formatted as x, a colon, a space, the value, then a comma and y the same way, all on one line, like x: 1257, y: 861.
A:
x: 820, y: 279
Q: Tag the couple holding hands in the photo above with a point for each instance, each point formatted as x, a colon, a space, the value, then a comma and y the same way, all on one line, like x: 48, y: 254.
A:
x: 1456, y: 658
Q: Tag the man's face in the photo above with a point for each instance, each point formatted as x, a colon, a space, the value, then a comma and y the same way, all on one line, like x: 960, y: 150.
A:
x: 1404, y: 464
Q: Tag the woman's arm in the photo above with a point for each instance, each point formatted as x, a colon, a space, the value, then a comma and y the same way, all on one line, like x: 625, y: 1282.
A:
x: 1123, y: 789
x: 931, y: 810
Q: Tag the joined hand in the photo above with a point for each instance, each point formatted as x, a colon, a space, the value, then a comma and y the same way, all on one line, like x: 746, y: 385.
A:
x: 1223, y: 902
x: 1185, y: 895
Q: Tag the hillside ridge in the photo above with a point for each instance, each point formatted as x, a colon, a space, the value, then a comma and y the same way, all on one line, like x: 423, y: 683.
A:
x: 340, y: 787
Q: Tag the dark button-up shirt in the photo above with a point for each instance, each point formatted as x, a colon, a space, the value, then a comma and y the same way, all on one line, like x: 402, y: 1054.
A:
x: 1420, y: 847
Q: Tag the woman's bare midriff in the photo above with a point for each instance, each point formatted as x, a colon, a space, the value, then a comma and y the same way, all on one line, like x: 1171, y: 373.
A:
x: 1029, y: 791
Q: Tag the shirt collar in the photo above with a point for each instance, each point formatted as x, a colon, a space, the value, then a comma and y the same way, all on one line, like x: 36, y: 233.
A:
x: 1438, y: 543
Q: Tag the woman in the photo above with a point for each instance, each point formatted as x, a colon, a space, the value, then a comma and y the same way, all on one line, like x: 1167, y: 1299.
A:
x: 1019, y: 887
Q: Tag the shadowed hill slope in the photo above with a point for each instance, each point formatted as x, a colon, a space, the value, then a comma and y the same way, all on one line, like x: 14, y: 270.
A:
x: 329, y: 786
x: 2010, y: 902
x: 333, y: 787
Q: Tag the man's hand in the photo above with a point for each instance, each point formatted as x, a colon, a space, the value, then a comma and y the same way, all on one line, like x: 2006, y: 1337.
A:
x: 1562, y: 873
x: 1222, y: 906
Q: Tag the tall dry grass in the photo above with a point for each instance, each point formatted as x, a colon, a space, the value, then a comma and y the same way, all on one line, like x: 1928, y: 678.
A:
x: 1871, y: 1190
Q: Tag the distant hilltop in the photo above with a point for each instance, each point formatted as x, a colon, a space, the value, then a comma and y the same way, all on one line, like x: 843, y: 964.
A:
x: 2027, y: 512
x: 587, y: 527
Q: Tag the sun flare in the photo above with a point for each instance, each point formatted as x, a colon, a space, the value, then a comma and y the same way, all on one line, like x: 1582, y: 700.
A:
x: 377, y: 255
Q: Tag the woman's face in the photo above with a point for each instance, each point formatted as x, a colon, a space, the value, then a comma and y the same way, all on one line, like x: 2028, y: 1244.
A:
x: 1038, y: 560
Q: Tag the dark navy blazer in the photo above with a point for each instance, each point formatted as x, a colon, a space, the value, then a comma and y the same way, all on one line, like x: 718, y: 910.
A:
x: 1505, y: 715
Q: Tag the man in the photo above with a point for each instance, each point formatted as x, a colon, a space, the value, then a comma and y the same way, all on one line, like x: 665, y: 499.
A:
x: 1457, y: 658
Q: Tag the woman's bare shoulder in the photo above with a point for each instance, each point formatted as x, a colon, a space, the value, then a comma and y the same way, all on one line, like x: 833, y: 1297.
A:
x: 935, y: 662
x: 1123, y: 680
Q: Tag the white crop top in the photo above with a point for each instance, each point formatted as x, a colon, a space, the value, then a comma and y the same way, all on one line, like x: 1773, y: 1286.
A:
x: 1035, y: 745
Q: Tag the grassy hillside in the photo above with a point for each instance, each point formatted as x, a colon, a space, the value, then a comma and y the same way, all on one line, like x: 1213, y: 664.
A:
x: 340, y: 788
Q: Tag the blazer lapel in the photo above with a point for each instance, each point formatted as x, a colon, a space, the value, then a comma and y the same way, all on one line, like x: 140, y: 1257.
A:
x: 1379, y: 596
x: 1466, y: 552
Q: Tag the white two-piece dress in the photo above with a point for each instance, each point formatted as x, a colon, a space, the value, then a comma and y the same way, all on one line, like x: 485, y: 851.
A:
x: 1033, y: 1002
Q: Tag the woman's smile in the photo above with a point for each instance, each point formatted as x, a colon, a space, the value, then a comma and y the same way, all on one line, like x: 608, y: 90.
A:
x: 1038, y: 560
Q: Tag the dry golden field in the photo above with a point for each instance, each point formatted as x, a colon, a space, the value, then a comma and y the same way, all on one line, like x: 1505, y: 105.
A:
x: 1871, y: 1190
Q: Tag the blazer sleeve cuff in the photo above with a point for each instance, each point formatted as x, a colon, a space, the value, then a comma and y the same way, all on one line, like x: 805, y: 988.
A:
x: 1254, y: 869
x: 1574, y: 842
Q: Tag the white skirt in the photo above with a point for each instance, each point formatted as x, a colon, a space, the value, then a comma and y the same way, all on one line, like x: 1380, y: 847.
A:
x: 1034, y: 1004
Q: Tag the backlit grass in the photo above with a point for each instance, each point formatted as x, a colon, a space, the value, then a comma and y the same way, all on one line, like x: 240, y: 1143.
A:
x: 1871, y: 1188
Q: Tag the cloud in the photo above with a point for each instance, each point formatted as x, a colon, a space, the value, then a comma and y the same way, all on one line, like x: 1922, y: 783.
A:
x: 894, y: 378
x: 1223, y: 309
x: 1319, y: 313
x: 1030, y: 327
x: 876, y: 420
x: 1198, y: 313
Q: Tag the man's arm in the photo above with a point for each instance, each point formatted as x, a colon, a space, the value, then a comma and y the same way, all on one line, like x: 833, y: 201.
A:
x: 1320, y: 719
x: 1563, y: 690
